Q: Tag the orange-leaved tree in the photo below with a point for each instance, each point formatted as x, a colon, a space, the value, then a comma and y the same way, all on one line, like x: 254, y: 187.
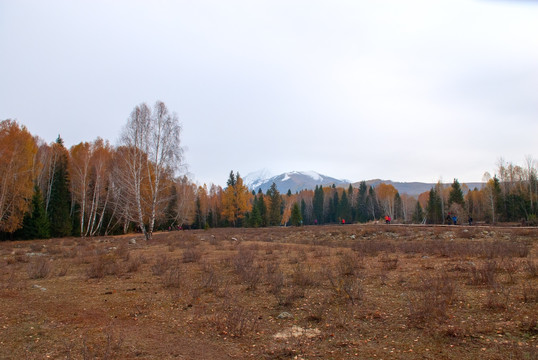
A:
x: 17, y: 153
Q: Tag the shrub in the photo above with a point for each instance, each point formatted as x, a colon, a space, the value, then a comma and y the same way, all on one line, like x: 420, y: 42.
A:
x: 191, y: 255
x: 39, y: 269
x: 431, y: 302
x: 162, y: 263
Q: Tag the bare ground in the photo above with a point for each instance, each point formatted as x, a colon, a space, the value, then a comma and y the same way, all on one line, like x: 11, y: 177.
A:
x: 317, y: 292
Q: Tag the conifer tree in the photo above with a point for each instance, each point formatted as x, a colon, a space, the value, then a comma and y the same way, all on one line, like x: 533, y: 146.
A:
x: 303, y: 212
x: 418, y: 214
x: 374, y: 210
x: 456, y: 195
x: 362, y: 210
x: 296, y: 218
x: 317, y: 204
x: 36, y: 223
x: 275, y: 205
x: 255, y: 219
x: 235, y: 200
x: 434, y: 208
x: 344, y: 209
x: 262, y: 208
x: 60, y: 197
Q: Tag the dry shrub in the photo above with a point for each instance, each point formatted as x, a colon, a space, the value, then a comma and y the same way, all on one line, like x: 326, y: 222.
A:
x: 123, y: 252
x: 388, y: 262
x: 348, y: 288
x: 102, y: 266
x: 39, y: 269
x: 348, y: 264
x: 433, y: 297
x: 36, y: 247
x: 173, y: 278
x: 134, y: 263
x: 506, y: 248
x: 210, y: 280
x: 192, y: 255
x: 63, y: 270
x: 162, y: 264
x: 235, y: 321
x: 532, y: 267
x: 245, y: 267
x: 498, y: 298
x: 274, y: 277
x: 529, y: 292
x: 303, y: 276
x: 373, y: 247
x: 485, y: 274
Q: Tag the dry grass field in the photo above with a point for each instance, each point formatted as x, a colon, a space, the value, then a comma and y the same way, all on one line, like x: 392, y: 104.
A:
x: 317, y: 292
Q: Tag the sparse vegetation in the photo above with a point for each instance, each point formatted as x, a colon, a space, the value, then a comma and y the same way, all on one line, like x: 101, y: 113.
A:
x: 342, y: 292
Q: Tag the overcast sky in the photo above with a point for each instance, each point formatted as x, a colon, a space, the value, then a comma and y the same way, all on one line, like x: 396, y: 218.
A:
x: 401, y: 90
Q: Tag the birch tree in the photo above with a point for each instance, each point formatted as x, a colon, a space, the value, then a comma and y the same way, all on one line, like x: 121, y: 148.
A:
x: 151, y: 145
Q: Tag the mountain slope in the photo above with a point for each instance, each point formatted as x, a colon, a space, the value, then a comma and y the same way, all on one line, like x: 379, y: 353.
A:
x: 294, y: 181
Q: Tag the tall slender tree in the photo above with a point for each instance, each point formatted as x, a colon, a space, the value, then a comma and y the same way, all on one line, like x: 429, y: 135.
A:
x: 275, y: 202
x: 59, y: 209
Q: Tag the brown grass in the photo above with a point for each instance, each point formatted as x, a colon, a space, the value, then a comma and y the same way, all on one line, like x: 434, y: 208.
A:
x: 370, y: 291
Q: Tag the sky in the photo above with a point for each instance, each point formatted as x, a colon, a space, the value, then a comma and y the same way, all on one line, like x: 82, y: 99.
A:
x: 401, y: 90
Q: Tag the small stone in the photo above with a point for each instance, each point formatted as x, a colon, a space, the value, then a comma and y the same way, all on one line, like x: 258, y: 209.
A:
x: 285, y: 315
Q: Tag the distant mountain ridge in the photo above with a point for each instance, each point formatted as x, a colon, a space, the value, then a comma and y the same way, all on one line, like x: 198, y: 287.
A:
x: 296, y: 181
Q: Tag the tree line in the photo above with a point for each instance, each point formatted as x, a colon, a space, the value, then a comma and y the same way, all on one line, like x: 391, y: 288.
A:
x: 94, y: 188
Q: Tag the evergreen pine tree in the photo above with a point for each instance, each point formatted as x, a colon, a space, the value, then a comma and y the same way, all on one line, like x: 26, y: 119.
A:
x: 418, y: 214
x: 362, y: 209
x: 296, y: 218
x: 60, y: 197
x: 262, y: 209
x: 434, y: 209
x: 306, y: 220
x: 344, y: 211
x: 35, y: 224
x: 317, y: 204
x: 456, y: 195
x: 275, y: 205
x: 374, y: 210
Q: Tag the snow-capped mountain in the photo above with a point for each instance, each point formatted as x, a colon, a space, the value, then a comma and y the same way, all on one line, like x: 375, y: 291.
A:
x: 294, y: 181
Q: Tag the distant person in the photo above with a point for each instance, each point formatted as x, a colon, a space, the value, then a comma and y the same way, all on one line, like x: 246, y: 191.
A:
x: 343, y: 221
x: 470, y: 221
x: 387, y: 219
x: 455, y: 219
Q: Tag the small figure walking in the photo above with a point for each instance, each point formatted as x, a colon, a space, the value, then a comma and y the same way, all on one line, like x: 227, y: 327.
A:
x: 470, y: 221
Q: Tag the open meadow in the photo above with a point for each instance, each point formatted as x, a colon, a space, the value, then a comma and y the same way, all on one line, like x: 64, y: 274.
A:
x: 314, y: 292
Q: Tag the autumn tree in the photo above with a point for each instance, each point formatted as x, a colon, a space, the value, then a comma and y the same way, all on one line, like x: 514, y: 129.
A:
x: 89, y: 169
x: 235, y: 199
x: 385, y: 195
x: 17, y: 152
x: 152, y: 152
